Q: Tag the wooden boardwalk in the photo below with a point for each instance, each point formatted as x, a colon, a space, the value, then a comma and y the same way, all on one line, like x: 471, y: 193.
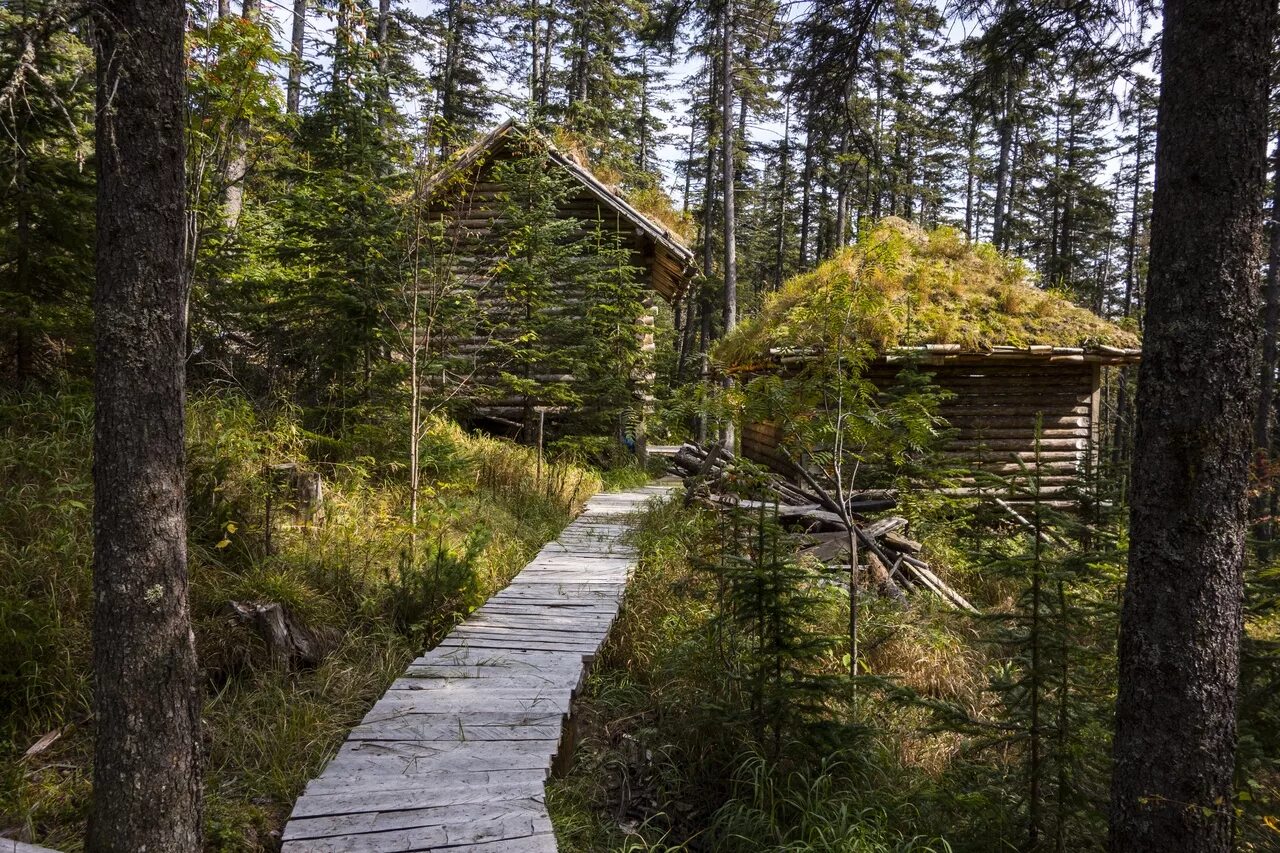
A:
x: 455, y: 755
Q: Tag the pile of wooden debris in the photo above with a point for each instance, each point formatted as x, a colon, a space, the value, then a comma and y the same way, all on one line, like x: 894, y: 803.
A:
x: 828, y: 531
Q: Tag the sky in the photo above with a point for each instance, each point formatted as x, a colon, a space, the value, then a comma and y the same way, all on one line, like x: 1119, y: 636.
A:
x: 675, y: 70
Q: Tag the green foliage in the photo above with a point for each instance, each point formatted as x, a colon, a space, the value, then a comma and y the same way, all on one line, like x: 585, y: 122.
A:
x: 563, y: 327
x: 378, y: 587
x: 818, y: 809
x: 47, y: 206
x: 720, y: 719
x: 912, y: 287
x: 768, y: 624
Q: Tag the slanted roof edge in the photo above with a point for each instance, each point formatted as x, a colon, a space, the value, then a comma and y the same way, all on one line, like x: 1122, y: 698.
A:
x: 653, y: 230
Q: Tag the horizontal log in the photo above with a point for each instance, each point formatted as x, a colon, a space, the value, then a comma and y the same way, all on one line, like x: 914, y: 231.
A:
x: 1024, y: 442
x: 1045, y: 403
x: 901, y: 544
x: 1016, y: 414
x: 980, y: 455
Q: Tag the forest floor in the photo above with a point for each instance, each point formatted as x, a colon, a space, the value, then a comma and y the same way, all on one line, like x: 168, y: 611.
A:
x: 353, y: 579
x: 708, y: 726
x: 720, y: 716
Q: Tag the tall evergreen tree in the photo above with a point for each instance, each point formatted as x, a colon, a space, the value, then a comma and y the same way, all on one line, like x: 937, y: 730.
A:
x: 1181, y: 624
x: 147, y: 786
x: 46, y: 123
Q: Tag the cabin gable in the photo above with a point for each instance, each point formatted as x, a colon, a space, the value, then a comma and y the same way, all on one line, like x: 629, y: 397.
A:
x: 468, y: 199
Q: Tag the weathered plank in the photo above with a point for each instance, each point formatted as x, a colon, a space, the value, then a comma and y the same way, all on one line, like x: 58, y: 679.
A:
x: 455, y: 755
x: 9, y: 845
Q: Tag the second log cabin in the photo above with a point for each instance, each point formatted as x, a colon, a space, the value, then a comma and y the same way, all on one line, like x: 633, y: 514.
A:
x: 1021, y: 369
x: 516, y: 361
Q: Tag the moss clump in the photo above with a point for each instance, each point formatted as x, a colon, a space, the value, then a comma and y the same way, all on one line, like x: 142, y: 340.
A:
x: 920, y: 287
x: 649, y: 200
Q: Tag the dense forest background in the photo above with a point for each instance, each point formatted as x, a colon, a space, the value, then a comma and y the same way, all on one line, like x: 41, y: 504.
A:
x: 308, y: 128
x: 320, y: 304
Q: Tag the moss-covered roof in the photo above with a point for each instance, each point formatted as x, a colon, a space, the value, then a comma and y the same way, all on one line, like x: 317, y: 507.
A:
x: 914, y: 288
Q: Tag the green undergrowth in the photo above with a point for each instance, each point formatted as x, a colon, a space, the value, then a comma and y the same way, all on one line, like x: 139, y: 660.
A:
x: 374, y: 594
x: 918, y: 287
x: 722, y: 716
x: 686, y: 744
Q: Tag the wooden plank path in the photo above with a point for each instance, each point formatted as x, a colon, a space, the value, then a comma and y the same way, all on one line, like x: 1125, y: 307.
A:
x: 455, y: 755
x: 8, y: 845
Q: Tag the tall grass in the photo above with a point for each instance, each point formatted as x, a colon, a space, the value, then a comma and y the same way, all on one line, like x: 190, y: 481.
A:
x: 669, y: 758
x: 383, y: 589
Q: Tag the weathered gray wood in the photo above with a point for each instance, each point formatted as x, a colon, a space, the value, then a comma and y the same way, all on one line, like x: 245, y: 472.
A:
x: 457, y: 729
x: 8, y: 845
x: 425, y: 781
x: 455, y: 754
x: 400, y: 818
x: 318, y: 805
x: 453, y: 836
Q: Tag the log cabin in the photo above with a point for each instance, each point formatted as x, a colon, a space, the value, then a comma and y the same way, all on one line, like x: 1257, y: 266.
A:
x: 1010, y: 358
x: 467, y: 199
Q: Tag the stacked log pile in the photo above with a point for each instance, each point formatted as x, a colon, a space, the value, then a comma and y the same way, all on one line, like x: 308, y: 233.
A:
x: 827, y: 531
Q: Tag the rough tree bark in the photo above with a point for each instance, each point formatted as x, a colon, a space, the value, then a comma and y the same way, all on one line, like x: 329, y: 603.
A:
x: 1197, y: 387
x: 780, y: 247
x: 1005, y: 127
x: 146, y: 779
x: 806, y: 181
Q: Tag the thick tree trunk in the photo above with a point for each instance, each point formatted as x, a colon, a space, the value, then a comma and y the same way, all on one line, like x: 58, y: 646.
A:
x: 780, y: 248
x: 1180, y: 630
x: 341, y: 44
x: 533, y: 13
x: 690, y: 298
x: 806, y: 213
x: 383, y: 34
x: 146, y: 780
x: 705, y: 302
x: 544, y: 84
x: 1002, y: 169
x: 1120, y: 440
x: 842, y: 194
x: 1011, y: 200
x: 642, y: 156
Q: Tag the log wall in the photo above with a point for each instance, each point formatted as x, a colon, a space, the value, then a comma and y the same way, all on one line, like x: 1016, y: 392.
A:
x: 470, y: 206
x: 993, y: 414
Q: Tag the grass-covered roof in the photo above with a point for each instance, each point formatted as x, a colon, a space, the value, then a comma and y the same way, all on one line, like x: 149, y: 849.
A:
x: 912, y: 288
